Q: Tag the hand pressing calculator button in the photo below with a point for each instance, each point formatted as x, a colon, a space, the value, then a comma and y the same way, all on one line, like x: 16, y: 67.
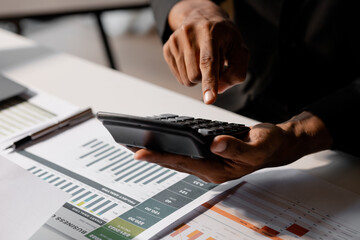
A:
x: 170, y: 133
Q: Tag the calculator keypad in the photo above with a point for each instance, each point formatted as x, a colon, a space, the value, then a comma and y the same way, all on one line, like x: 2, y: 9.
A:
x: 203, y: 126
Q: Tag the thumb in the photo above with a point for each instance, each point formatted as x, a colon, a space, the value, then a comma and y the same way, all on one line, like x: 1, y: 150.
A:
x: 231, y: 148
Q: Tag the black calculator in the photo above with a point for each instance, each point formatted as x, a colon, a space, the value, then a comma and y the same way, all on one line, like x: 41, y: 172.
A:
x: 170, y: 133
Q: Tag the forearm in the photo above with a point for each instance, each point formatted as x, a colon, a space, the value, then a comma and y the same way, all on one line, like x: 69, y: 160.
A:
x: 340, y: 113
x: 181, y: 10
x: 309, y: 134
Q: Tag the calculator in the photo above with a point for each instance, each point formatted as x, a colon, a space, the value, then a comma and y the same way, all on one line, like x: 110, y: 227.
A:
x: 182, y: 135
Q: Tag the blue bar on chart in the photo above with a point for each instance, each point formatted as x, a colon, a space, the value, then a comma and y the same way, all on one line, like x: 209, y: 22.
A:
x: 37, y: 171
x: 55, y: 179
x: 140, y: 173
x: 156, y: 177
x: 127, y: 168
x: 148, y: 175
x: 78, y: 191
x: 116, y: 162
x: 105, y: 151
x: 93, y: 151
x: 71, y: 189
x: 88, y: 143
x: 121, y: 165
x: 87, y: 200
x: 100, y: 206
x: 47, y: 177
x: 42, y: 174
x: 59, y: 183
x: 166, y: 178
x: 66, y: 185
x: 133, y: 171
x: 94, y: 202
x: 96, y: 144
x: 107, y: 209
x: 81, y: 196
x: 120, y: 154
x: 103, y: 157
x: 31, y: 168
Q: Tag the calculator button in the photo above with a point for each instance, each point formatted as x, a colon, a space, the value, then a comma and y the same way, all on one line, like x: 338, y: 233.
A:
x: 183, y: 123
x: 167, y: 115
x: 184, y: 118
x: 201, y: 120
x: 236, y: 125
x: 206, y: 131
x: 173, y: 120
x: 219, y: 130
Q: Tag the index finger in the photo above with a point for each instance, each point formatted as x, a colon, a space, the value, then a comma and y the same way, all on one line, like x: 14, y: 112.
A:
x: 209, y: 67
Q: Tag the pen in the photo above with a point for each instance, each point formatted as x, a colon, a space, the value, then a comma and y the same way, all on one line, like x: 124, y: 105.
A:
x: 70, y: 121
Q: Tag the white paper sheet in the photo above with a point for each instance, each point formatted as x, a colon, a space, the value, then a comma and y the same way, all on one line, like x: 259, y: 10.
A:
x: 26, y: 201
x: 281, y: 204
x: 29, y: 113
x: 110, y: 190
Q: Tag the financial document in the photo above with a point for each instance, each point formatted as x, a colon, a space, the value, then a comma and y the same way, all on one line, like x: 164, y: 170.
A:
x: 281, y: 204
x: 113, y: 196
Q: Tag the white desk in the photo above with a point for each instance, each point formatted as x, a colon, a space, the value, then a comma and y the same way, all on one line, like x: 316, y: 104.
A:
x: 87, y: 84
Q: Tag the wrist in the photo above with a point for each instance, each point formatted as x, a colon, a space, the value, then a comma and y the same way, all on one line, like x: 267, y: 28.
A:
x: 310, y: 133
x: 202, y: 8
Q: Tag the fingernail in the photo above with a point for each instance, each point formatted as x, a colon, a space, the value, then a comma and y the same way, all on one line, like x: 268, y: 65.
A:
x: 208, y: 96
x: 139, y: 158
x: 219, y: 146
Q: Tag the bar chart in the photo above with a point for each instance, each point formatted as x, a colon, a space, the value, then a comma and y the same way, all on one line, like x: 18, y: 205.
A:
x: 105, y: 181
x: 111, y: 207
x: 82, y: 195
x: 252, y: 212
x: 17, y: 115
x: 108, y: 187
x: 105, y: 157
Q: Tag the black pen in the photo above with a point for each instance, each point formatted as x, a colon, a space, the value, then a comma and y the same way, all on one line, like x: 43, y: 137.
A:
x: 70, y: 121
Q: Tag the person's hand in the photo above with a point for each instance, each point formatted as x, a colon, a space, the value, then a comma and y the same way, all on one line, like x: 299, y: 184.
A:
x: 267, y: 145
x: 205, y: 47
x: 264, y: 146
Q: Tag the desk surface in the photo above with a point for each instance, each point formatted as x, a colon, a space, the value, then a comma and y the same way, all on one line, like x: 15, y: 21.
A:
x: 21, y: 8
x: 86, y: 84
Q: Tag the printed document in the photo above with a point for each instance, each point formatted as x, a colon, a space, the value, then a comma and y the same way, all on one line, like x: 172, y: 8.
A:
x: 113, y: 196
x: 280, y: 204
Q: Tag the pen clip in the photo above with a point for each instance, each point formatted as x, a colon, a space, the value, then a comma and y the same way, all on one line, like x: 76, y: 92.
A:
x: 70, y: 121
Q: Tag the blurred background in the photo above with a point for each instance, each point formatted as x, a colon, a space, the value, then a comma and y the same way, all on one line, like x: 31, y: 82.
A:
x: 132, y: 38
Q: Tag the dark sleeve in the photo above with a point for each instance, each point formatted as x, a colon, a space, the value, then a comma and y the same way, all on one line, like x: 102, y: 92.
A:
x: 340, y: 113
x: 161, y: 9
